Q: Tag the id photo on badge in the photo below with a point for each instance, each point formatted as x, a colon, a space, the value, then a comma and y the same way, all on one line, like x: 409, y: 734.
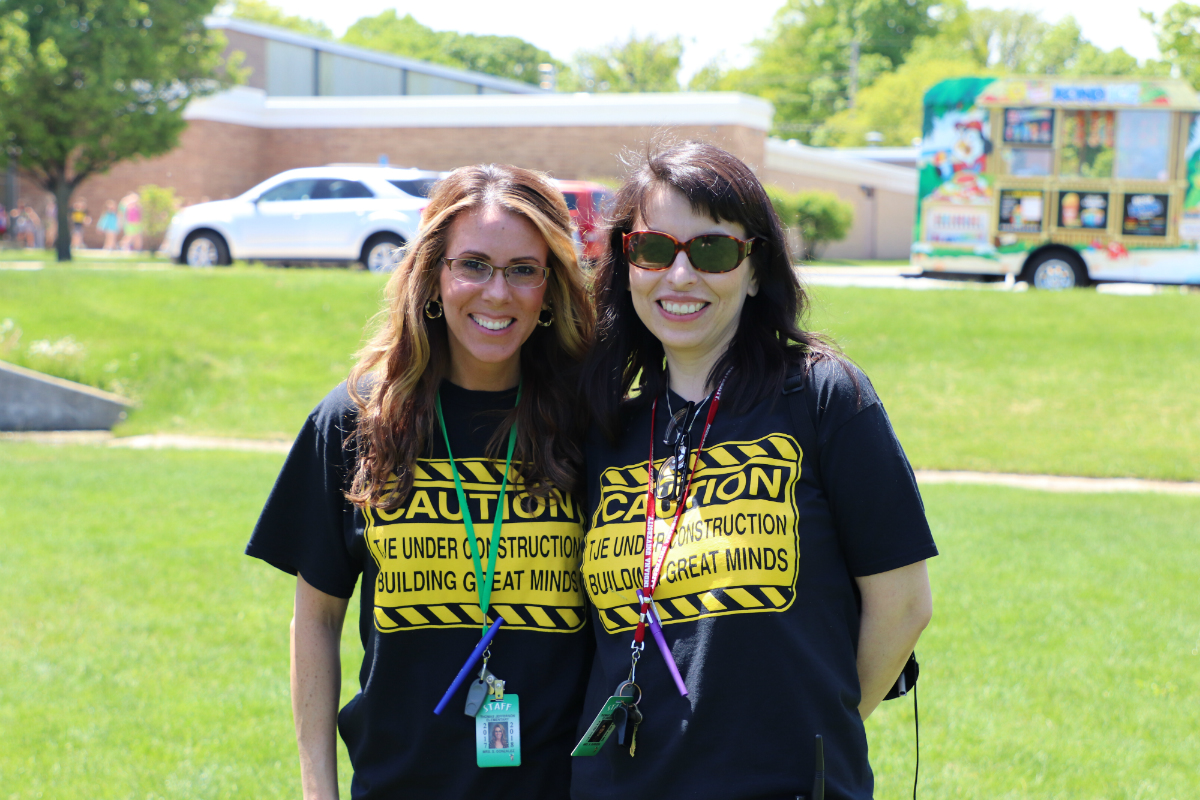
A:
x: 498, y: 734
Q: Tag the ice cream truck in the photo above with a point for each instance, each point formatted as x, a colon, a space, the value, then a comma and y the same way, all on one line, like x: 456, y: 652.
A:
x: 1060, y: 181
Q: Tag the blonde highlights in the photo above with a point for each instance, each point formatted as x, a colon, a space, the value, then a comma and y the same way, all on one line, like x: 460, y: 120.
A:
x: 398, y: 372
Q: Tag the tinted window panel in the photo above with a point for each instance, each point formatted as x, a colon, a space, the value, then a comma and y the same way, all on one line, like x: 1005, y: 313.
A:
x: 417, y: 187
x: 304, y: 189
x: 347, y: 190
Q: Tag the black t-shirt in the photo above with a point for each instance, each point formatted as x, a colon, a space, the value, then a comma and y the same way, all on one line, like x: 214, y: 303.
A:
x: 419, y: 609
x: 757, y: 597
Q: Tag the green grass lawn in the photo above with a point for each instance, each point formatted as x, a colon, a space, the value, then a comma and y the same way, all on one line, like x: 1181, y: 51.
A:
x: 1066, y: 383
x: 241, y: 352
x: 142, y: 655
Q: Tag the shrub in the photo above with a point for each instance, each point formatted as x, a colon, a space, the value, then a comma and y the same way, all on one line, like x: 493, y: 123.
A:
x: 159, y: 204
x: 818, y: 217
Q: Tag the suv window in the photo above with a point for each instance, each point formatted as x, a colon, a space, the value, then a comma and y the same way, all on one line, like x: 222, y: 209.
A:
x: 341, y: 190
x: 417, y: 187
x: 302, y: 189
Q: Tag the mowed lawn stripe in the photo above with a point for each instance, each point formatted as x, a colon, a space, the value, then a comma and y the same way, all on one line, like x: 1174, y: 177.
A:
x: 141, y: 654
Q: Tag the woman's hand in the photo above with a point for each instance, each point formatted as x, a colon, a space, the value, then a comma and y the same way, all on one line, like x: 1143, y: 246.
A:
x: 896, y: 607
x: 316, y: 686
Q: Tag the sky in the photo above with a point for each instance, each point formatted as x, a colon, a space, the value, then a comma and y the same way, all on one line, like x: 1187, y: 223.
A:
x: 708, y: 29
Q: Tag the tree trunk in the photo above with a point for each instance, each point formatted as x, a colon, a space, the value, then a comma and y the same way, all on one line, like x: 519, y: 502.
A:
x: 63, y: 189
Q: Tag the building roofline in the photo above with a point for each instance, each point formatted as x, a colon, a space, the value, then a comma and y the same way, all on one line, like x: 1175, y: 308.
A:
x: 827, y: 163
x: 246, y: 106
x: 371, y: 56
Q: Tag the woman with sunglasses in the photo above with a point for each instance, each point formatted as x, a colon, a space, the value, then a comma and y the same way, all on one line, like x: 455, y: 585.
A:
x: 442, y: 473
x: 757, y: 544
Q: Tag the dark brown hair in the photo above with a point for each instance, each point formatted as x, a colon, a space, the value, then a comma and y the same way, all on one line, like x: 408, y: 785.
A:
x: 399, y: 371
x: 769, y: 339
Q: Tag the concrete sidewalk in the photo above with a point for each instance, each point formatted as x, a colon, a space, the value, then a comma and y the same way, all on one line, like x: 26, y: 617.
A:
x: 1044, y: 483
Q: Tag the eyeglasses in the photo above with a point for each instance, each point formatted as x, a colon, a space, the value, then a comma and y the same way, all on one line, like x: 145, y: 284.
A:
x: 709, y: 253
x: 518, y: 276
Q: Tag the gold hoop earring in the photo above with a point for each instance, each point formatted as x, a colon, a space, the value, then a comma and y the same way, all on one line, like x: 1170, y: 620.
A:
x: 433, y: 308
x: 546, y: 318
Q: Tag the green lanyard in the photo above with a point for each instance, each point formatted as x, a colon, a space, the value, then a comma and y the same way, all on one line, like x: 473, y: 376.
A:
x: 485, y: 588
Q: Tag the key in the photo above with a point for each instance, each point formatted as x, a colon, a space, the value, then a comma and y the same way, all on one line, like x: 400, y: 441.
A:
x: 635, y: 716
x: 620, y: 722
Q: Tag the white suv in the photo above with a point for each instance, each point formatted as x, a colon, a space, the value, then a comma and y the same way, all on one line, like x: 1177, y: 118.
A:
x: 336, y: 213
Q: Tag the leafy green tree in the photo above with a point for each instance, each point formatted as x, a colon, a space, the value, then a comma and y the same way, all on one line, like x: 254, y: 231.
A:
x: 817, y: 50
x: 1178, y: 33
x: 818, y: 217
x: 264, y: 12
x: 502, y: 56
x: 982, y: 42
x: 89, y: 83
x: 893, y: 104
x: 646, y: 64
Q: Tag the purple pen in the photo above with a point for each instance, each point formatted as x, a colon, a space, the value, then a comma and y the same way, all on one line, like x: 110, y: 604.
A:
x: 656, y: 630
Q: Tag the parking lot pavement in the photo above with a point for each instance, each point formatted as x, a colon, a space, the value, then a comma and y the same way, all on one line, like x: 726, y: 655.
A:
x: 903, y: 277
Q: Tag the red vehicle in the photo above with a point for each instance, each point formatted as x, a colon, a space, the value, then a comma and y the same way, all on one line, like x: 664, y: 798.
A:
x: 588, y: 202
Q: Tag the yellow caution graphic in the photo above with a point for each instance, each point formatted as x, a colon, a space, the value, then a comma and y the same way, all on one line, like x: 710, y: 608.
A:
x: 427, y: 577
x: 736, y: 549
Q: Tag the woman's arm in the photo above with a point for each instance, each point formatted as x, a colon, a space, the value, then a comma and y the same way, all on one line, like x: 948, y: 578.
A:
x: 316, y: 686
x: 896, y: 607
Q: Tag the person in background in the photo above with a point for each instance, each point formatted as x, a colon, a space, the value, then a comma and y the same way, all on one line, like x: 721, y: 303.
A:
x: 51, y: 224
x: 79, y: 218
x: 3, y: 221
x: 752, y: 483
x: 130, y: 212
x: 108, y: 224
x: 27, y: 226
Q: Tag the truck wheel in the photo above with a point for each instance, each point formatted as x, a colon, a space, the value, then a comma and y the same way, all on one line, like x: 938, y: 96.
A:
x: 1054, y: 271
x: 205, y: 249
x: 379, y: 254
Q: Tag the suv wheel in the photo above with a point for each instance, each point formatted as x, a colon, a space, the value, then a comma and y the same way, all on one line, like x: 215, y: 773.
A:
x: 379, y: 253
x: 205, y: 250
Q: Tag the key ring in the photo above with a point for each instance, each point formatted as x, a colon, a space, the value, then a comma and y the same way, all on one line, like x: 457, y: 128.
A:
x: 621, y: 689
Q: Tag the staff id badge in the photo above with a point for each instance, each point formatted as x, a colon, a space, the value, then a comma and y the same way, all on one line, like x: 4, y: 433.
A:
x: 600, y: 729
x: 498, y: 733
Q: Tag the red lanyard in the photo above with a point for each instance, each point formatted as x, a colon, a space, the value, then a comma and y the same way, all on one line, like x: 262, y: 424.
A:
x: 650, y: 573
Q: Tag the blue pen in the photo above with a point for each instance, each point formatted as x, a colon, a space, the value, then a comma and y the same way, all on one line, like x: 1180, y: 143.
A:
x: 472, y: 660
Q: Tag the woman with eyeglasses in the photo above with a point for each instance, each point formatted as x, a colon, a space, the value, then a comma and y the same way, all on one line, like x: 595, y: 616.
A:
x: 438, y: 481
x: 757, y: 543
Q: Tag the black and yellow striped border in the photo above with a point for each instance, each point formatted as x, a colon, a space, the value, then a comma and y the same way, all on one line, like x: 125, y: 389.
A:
x: 728, y: 457
x: 552, y: 619
x: 711, y: 602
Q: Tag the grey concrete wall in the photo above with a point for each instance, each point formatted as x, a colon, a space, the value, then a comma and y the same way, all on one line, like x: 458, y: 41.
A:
x: 31, y: 401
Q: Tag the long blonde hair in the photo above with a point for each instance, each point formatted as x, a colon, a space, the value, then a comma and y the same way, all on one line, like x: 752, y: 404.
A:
x: 399, y: 371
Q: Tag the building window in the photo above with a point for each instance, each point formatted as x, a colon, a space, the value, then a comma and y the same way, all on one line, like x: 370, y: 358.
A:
x: 290, y: 70
x: 421, y: 83
x: 346, y: 77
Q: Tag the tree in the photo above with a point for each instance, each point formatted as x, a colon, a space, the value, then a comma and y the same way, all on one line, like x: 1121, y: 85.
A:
x: 817, y: 50
x: 264, y: 12
x: 892, y: 105
x: 502, y: 56
x: 644, y: 64
x: 1178, y: 35
x: 90, y: 83
x: 983, y: 43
